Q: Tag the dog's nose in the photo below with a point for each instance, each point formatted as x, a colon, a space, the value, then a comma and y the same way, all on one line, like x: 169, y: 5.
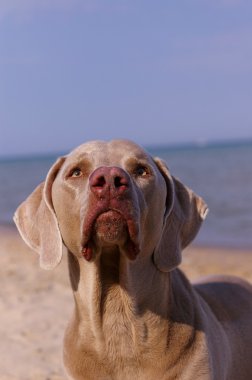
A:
x: 109, y: 180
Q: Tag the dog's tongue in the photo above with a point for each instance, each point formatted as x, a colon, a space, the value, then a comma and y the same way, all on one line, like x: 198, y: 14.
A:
x: 87, y: 252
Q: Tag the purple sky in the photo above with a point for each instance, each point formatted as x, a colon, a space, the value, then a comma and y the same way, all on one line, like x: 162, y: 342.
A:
x: 157, y: 72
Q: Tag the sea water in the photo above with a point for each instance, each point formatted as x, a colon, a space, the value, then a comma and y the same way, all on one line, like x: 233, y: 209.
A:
x: 220, y: 173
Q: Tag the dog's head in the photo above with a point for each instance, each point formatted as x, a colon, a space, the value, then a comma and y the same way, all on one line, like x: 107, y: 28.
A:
x: 110, y: 195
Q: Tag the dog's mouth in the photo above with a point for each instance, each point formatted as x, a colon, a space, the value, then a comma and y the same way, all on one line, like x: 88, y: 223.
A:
x: 108, y: 229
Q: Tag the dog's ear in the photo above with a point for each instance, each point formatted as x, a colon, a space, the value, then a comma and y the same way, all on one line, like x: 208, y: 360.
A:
x: 184, y: 214
x: 37, y: 223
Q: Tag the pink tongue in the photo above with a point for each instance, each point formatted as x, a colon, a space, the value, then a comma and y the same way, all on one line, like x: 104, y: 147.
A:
x: 87, y: 252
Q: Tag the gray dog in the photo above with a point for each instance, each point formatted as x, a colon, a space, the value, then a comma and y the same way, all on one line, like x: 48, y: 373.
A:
x: 124, y: 220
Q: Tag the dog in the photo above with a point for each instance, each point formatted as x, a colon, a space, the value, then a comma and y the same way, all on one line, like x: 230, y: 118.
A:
x: 125, y: 220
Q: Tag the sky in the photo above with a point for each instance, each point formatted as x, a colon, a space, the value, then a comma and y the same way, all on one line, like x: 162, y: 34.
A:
x: 156, y: 72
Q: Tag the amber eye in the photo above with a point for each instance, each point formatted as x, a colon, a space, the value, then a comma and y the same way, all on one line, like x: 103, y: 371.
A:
x: 141, y: 171
x: 75, y: 173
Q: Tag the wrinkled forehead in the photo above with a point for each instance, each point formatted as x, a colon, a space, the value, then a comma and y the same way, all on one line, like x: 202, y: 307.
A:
x: 115, y: 152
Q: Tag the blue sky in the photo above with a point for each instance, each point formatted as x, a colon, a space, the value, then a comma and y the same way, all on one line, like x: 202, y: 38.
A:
x: 157, y: 72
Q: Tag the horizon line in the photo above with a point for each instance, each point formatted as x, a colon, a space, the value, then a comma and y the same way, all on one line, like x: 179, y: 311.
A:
x: 200, y: 144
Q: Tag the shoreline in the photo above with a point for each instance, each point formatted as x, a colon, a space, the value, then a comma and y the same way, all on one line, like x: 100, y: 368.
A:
x: 11, y: 228
x: 35, y: 305
x: 200, y: 261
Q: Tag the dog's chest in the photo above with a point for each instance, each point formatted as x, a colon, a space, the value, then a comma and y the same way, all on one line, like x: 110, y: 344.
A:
x: 131, y: 340
x: 119, y: 326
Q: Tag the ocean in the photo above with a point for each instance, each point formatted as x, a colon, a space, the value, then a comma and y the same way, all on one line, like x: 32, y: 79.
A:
x: 220, y: 173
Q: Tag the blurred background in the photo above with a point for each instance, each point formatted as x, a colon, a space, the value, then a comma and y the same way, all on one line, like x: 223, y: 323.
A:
x: 174, y: 76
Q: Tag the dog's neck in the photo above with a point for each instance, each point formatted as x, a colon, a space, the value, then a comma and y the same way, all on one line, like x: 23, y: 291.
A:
x: 123, y: 309
x: 118, y: 312
x: 113, y: 281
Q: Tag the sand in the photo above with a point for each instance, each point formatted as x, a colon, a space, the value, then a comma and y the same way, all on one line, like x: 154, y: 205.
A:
x: 35, y: 305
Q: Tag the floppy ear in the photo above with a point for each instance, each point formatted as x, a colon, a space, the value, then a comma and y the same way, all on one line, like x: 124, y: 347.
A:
x: 184, y: 214
x: 37, y: 222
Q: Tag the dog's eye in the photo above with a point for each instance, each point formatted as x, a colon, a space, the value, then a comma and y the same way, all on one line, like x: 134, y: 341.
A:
x: 141, y: 171
x: 75, y: 173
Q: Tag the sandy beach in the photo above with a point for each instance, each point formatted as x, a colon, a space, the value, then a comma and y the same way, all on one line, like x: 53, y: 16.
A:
x: 35, y: 305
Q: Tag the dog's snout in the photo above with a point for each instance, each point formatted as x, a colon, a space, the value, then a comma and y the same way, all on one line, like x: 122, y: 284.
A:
x: 109, y: 180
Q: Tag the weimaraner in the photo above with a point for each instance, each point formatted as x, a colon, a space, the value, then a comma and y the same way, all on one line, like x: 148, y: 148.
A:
x: 124, y: 220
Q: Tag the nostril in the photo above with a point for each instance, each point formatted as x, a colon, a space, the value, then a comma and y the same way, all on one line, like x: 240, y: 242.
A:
x: 99, y: 182
x: 120, y: 182
x: 117, y: 182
